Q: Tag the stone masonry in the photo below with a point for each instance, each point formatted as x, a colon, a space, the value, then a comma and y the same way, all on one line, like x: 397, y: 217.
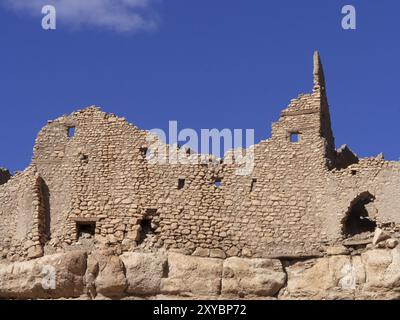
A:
x: 90, y: 185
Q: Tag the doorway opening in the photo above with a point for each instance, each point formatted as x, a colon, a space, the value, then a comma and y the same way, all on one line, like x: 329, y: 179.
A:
x: 148, y: 224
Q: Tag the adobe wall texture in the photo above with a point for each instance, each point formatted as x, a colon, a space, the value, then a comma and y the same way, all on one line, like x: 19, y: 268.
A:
x: 294, y: 203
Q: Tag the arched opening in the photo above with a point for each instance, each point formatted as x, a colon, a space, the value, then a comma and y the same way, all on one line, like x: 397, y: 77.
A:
x: 358, y: 219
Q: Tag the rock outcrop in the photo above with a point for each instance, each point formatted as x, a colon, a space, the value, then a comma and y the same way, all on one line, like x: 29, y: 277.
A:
x: 252, y: 277
x: 54, y: 276
x: 107, y: 273
x: 192, y: 276
x: 144, y: 272
x: 374, y: 274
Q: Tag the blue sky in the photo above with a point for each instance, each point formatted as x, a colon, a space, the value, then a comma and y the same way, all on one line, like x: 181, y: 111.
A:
x: 207, y: 64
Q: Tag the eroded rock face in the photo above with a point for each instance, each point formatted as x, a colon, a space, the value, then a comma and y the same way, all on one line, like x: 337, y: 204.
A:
x: 191, y: 276
x: 106, y: 273
x: 375, y: 274
x: 382, y: 268
x: 144, y: 272
x: 259, y: 277
x: 55, y: 276
x: 325, y: 278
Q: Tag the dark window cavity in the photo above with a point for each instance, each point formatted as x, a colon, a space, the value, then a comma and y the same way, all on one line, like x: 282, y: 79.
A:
x: 85, y: 229
x: 358, y: 219
x: 217, y: 182
x: 253, y: 185
x: 181, y: 184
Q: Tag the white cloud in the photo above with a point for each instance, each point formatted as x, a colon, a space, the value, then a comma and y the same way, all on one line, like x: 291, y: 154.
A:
x: 117, y: 15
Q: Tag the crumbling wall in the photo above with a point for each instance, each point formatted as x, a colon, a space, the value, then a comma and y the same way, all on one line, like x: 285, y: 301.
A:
x: 97, y: 175
x: 376, y: 176
x: 91, y: 169
x: 19, y: 216
x: 101, y: 175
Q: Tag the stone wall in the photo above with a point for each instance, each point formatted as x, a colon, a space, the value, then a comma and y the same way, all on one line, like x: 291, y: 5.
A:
x: 376, y: 176
x: 90, y: 171
x: 18, y: 213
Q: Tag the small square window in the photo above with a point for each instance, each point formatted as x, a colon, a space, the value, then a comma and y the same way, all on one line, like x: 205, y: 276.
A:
x: 181, y: 184
x: 85, y: 229
x: 84, y: 158
x: 144, y: 151
x: 294, y: 137
x: 71, y: 132
x: 218, y: 182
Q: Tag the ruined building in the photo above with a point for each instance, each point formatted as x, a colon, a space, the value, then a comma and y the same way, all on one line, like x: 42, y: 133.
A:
x: 90, y: 184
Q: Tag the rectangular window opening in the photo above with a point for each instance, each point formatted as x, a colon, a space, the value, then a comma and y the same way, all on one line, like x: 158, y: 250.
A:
x: 294, y: 137
x: 144, y: 151
x: 218, y: 182
x: 84, y: 158
x: 181, y: 184
x: 85, y: 229
x: 253, y: 184
x: 71, y: 132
